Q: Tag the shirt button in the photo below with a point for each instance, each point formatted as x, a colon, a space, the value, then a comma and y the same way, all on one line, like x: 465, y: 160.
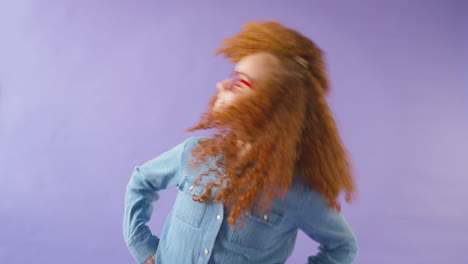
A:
x: 206, y: 251
x: 191, y: 187
x: 218, y: 217
x: 265, y: 216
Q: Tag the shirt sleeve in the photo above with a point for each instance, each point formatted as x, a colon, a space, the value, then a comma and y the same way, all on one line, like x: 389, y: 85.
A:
x: 142, y: 190
x: 329, y: 228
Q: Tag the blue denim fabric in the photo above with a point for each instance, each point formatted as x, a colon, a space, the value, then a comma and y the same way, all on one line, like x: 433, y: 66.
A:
x: 199, y: 233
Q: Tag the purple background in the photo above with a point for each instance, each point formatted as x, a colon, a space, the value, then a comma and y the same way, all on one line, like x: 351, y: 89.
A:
x: 89, y: 89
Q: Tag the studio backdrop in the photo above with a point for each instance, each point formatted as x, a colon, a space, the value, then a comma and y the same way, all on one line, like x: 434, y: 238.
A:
x: 90, y: 89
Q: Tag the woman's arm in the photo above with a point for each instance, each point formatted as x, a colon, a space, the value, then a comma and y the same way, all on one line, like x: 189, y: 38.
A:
x: 329, y: 228
x: 157, y: 174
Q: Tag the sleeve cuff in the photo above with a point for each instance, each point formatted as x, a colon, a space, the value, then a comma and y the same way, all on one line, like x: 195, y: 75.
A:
x: 142, y: 246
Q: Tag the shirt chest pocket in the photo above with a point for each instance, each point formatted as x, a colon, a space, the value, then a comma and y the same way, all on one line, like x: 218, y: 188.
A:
x: 185, y: 208
x: 261, y: 230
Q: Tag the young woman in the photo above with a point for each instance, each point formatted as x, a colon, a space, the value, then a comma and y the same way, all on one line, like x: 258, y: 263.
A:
x: 275, y: 165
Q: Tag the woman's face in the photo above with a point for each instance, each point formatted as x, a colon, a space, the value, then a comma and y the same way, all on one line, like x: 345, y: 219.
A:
x: 248, y: 73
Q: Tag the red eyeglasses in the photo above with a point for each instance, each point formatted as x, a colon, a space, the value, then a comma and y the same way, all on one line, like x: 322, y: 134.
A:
x: 236, y: 80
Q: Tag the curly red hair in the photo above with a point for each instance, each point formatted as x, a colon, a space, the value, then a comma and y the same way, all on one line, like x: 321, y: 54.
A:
x: 287, y: 123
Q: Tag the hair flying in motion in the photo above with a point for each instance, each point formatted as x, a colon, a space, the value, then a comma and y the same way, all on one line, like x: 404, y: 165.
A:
x: 287, y: 122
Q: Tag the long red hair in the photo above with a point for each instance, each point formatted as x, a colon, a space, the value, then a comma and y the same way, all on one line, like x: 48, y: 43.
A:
x: 287, y: 122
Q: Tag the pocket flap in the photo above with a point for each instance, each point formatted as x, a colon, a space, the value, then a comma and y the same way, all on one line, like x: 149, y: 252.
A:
x: 188, y: 186
x: 271, y: 218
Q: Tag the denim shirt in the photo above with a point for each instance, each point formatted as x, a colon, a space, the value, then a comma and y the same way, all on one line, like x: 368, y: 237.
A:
x: 199, y: 232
